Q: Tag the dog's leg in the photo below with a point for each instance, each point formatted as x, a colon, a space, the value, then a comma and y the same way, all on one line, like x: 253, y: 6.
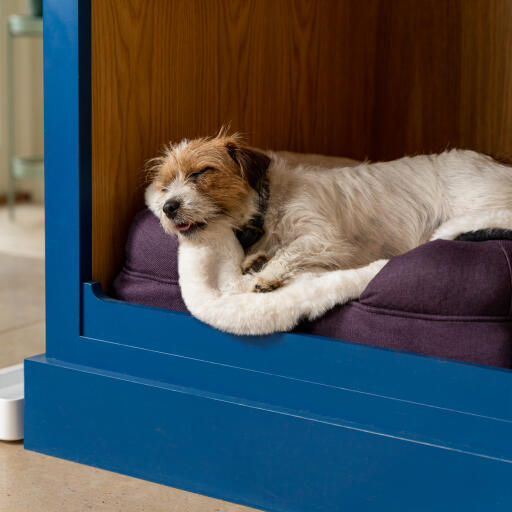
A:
x: 254, y: 262
x: 304, y: 253
x: 474, y: 221
x: 273, y: 275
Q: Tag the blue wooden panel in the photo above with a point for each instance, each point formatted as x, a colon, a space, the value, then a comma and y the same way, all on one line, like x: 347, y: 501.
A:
x: 67, y: 103
x: 418, y: 379
x: 246, y: 452
x: 433, y: 425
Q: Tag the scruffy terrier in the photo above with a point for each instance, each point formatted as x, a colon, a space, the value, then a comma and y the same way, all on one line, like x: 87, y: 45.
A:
x: 295, y: 217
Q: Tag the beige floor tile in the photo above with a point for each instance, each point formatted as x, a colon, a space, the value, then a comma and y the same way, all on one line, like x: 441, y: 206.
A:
x: 17, y: 344
x: 21, y: 291
x: 23, y: 236
x: 31, y: 482
x: 197, y: 503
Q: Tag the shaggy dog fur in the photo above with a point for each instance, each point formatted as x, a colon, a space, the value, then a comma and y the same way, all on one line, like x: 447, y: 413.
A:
x: 318, y: 218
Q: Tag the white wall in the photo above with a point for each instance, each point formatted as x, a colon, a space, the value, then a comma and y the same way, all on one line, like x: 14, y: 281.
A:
x: 28, y: 92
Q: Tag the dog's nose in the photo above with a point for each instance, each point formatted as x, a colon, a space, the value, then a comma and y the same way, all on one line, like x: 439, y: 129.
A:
x: 171, y: 208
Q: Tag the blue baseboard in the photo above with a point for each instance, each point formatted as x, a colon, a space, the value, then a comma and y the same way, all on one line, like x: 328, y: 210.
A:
x: 248, y: 452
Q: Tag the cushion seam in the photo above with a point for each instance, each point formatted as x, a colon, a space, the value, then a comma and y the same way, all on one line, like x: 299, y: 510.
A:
x: 430, y: 316
x: 509, y: 273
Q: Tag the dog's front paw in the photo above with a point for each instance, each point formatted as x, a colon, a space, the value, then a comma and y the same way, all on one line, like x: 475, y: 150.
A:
x: 254, y: 263
x: 263, y: 286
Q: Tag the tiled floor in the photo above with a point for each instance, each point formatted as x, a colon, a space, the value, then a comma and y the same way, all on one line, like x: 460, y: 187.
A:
x: 31, y: 482
x: 25, y: 235
x: 21, y: 284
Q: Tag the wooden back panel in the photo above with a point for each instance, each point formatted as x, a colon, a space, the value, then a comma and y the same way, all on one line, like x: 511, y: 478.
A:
x: 373, y: 78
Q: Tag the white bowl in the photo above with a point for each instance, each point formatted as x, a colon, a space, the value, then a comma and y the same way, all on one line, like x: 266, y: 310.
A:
x: 12, y: 399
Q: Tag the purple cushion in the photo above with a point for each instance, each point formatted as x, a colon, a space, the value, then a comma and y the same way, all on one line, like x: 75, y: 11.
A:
x: 150, y: 271
x: 445, y: 298
x: 446, y: 278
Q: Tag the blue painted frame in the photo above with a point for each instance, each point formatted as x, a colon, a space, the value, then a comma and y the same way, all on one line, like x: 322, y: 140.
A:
x: 67, y: 130
x: 295, y: 422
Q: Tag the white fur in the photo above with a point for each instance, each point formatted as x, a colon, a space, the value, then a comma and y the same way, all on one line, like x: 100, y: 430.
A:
x: 215, y: 291
x: 194, y: 206
x: 456, y: 226
x: 349, y: 217
x: 328, y: 232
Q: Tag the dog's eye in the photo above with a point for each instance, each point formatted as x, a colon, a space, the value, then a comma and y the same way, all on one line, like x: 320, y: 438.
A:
x: 164, y: 189
x: 194, y: 175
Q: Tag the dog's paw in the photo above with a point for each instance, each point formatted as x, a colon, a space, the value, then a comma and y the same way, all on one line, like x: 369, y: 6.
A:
x: 254, y: 263
x: 263, y: 286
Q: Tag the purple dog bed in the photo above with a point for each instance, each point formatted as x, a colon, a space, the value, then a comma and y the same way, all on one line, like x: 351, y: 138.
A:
x: 446, y: 298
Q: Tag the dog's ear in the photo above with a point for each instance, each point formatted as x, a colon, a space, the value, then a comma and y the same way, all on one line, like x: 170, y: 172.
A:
x: 253, y: 164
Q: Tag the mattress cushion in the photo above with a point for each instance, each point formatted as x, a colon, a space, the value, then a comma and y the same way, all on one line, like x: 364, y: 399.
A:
x: 446, y: 277
x: 445, y: 298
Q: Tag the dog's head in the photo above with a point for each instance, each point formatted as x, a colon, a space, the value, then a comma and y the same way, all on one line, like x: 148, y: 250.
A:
x: 196, y: 182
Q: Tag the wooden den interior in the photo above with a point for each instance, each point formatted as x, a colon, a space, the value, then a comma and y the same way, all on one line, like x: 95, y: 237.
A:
x: 370, y: 79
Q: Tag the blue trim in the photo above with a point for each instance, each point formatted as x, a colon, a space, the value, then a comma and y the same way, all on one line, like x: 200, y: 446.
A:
x: 460, y: 430
x: 248, y: 452
x: 67, y: 103
x: 437, y: 382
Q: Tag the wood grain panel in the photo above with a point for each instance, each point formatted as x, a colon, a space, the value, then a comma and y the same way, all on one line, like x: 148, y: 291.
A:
x: 443, y: 77
x: 372, y: 78
x: 284, y: 72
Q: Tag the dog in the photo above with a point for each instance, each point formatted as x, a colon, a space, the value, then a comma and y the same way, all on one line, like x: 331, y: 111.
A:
x: 292, y: 217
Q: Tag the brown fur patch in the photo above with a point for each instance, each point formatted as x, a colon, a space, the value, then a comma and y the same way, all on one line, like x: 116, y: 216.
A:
x: 225, y: 182
x: 227, y: 189
x: 254, y: 263
x: 263, y: 286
